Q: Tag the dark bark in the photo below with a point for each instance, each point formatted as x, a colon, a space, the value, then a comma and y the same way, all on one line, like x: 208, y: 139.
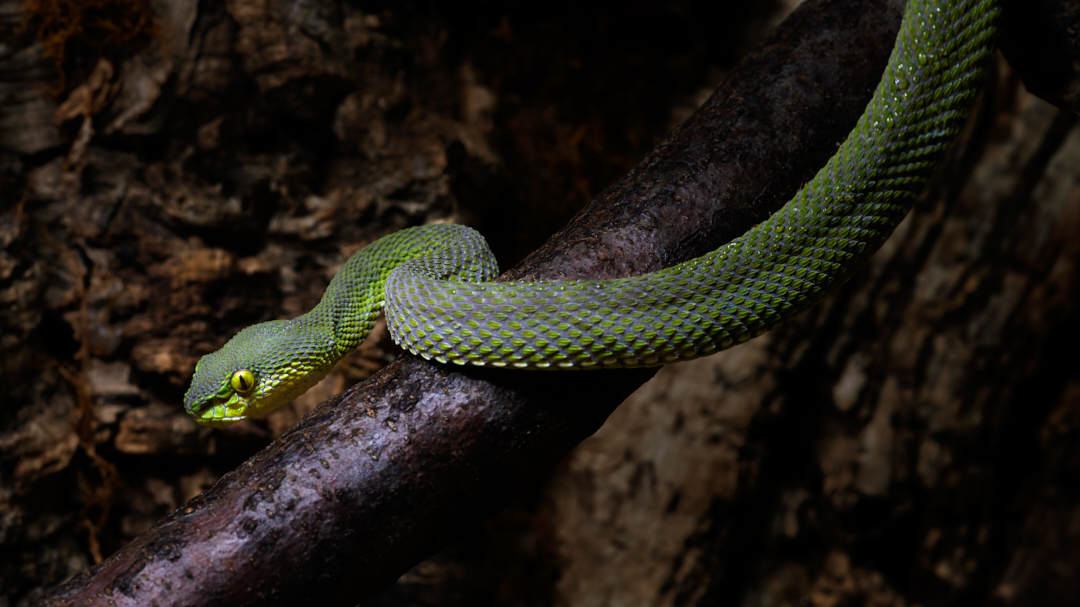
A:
x: 384, y: 475
x: 1041, y: 39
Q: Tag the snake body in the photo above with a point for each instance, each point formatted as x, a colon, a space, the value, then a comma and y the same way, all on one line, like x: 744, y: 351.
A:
x: 435, y: 281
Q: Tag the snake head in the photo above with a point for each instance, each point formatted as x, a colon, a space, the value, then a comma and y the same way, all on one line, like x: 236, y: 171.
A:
x: 223, y: 406
x: 260, y: 369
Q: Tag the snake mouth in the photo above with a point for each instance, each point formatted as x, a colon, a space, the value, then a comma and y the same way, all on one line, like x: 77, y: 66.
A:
x: 218, y: 411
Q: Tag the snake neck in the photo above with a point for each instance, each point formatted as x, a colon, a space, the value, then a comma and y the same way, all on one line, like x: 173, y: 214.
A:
x: 355, y: 296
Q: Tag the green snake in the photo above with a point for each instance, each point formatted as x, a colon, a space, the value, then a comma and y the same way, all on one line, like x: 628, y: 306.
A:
x: 436, y: 281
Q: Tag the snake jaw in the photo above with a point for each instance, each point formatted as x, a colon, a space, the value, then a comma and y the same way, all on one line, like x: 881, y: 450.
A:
x: 213, y: 401
x: 227, y: 406
x: 222, y: 412
x: 266, y: 354
x: 222, y: 408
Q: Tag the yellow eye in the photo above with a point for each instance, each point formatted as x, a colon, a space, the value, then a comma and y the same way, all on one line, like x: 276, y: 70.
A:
x: 242, y: 381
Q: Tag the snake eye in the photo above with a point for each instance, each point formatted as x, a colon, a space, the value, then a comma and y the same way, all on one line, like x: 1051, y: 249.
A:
x: 242, y: 381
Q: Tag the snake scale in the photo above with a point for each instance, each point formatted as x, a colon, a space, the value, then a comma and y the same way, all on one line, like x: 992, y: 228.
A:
x: 435, y: 281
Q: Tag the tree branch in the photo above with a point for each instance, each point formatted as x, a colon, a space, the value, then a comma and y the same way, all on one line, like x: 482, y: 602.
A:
x: 380, y: 477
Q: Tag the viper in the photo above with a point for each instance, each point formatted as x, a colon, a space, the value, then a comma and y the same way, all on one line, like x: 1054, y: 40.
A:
x: 436, y: 282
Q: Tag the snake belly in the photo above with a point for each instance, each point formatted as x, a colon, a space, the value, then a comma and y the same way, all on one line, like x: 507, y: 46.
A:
x: 435, y: 281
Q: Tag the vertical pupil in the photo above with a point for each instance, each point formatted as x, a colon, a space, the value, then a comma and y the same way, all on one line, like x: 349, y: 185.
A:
x: 242, y: 381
